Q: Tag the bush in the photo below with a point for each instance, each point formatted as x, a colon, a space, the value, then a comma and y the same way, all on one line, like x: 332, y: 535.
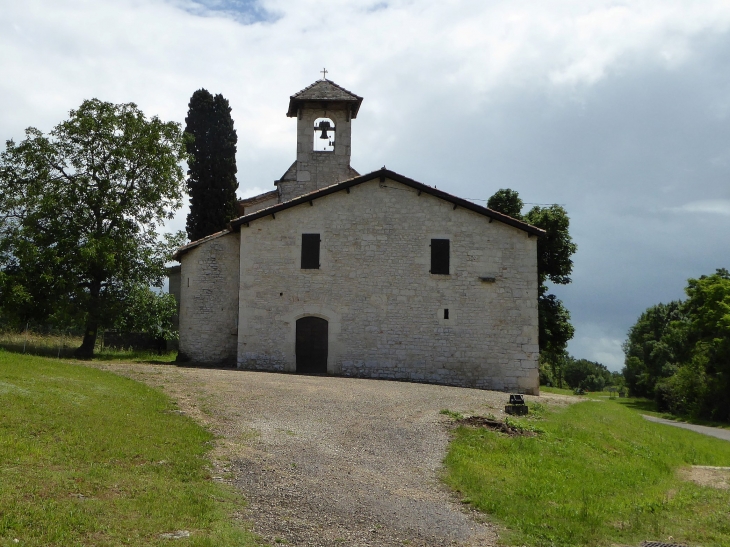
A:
x: 593, y: 383
x: 686, y: 392
x: 546, y: 375
x: 679, y: 353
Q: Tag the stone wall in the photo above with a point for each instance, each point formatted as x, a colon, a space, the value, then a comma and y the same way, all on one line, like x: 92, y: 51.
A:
x: 385, y: 310
x: 209, y: 301
x: 173, y: 287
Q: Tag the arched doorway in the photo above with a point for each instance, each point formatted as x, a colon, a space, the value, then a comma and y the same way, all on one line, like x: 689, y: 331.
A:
x: 312, y: 342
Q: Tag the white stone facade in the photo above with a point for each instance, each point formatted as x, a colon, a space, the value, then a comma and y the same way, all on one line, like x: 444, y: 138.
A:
x: 384, y: 308
x: 243, y: 290
x: 209, y: 276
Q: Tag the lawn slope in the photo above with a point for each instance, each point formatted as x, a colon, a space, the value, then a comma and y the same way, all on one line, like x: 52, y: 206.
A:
x: 91, y: 458
x: 598, y: 475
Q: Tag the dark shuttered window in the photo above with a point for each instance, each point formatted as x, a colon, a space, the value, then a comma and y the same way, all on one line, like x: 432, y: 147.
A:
x: 310, y: 251
x: 440, y: 256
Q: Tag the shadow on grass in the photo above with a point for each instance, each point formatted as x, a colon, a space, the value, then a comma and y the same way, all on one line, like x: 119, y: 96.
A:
x: 640, y: 405
x: 648, y: 406
x: 40, y: 351
x: 148, y: 357
x: 107, y: 354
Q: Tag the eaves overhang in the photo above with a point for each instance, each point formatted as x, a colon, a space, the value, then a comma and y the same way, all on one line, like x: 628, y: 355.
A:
x: 383, y: 174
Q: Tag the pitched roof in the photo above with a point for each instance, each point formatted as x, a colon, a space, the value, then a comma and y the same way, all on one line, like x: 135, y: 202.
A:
x: 185, y: 248
x: 392, y: 175
x: 323, y: 91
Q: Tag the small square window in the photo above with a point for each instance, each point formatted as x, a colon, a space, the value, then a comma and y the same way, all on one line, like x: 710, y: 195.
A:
x: 310, y: 251
x: 440, y: 256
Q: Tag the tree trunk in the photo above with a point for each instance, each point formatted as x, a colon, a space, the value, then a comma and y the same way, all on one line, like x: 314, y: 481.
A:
x: 86, y: 351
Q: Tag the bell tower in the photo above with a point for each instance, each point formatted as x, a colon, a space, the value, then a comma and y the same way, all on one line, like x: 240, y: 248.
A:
x: 324, y: 113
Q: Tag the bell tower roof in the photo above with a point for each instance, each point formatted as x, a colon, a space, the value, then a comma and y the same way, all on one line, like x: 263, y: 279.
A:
x: 324, y: 92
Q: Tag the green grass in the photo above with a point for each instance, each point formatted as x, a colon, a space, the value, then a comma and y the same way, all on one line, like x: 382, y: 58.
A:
x: 647, y: 406
x: 451, y: 414
x: 639, y: 404
x: 556, y: 390
x: 597, y: 475
x: 63, y: 346
x: 91, y: 458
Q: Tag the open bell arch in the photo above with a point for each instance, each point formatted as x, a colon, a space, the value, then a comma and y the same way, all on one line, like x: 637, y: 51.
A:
x: 324, y: 135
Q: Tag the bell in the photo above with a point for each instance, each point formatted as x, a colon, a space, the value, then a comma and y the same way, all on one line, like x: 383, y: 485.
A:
x: 324, y: 126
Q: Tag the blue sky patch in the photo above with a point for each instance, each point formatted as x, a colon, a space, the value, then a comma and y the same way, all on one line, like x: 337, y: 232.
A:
x: 243, y: 11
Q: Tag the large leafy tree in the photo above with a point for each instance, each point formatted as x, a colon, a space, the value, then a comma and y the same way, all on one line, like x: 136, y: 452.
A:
x: 679, y: 353
x: 554, y: 264
x: 653, y: 347
x: 80, y: 210
x: 506, y: 201
x: 212, y: 180
x: 585, y: 374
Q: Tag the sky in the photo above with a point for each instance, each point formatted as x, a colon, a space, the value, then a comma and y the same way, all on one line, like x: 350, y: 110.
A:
x: 617, y: 110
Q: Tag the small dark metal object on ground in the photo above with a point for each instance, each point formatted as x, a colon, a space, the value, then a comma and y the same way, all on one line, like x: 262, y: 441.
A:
x: 516, y: 399
x: 661, y: 544
x: 481, y: 421
x: 516, y: 406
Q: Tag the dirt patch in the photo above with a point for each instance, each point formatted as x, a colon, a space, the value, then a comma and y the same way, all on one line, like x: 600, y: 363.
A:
x: 494, y: 425
x: 714, y: 477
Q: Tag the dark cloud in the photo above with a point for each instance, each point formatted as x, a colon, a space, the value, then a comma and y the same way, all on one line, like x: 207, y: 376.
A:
x: 625, y: 156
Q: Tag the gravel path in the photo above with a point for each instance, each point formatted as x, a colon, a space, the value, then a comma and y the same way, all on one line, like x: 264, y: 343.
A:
x: 723, y: 434
x: 327, y: 461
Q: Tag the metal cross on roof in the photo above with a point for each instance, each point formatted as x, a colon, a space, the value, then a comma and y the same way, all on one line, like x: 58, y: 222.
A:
x: 324, y: 73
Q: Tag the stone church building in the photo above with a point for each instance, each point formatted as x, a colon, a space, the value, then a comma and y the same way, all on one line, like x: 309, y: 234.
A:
x: 375, y: 275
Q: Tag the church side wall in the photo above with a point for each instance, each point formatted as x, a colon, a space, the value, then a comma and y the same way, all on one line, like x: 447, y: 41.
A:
x: 209, y: 276
x: 385, y: 311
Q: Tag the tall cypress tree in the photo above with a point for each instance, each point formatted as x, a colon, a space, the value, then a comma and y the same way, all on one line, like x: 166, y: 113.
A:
x: 212, y: 180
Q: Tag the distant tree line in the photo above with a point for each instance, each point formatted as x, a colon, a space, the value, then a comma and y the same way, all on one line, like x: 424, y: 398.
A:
x: 679, y: 353
x: 568, y: 372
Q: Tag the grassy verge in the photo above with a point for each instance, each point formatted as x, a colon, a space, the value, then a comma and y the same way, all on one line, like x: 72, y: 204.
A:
x: 91, y: 458
x: 597, y: 475
x: 63, y: 346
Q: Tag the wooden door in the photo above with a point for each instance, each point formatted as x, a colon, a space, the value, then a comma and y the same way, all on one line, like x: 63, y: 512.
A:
x: 312, y: 345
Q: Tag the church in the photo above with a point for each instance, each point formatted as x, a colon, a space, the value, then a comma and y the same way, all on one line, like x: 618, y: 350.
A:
x: 372, y: 276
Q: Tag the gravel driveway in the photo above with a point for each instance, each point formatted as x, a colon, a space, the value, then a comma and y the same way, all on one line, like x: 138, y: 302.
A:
x: 333, y: 461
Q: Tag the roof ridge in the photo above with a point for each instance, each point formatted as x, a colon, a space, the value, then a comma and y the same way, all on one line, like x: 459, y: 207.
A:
x: 347, y: 183
x: 384, y: 172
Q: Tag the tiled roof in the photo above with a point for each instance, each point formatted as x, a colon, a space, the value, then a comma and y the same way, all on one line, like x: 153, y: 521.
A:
x: 185, y: 248
x: 323, y: 90
x: 241, y: 204
x: 260, y: 197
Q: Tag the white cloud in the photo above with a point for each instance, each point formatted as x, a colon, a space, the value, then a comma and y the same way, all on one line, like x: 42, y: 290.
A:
x: 710, y: 206
x: 593, y: 344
